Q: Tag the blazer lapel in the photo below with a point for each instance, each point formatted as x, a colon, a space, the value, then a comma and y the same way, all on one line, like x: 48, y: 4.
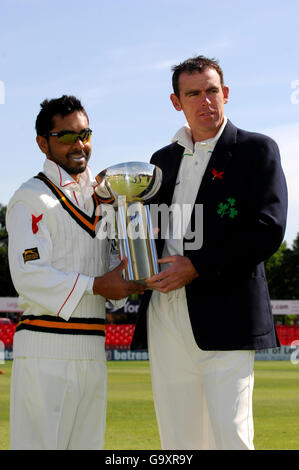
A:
x: 221, y: 155
x: 170, y: 172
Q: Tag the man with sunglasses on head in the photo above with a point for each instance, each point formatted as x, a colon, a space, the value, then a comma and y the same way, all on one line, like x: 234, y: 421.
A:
x: 61, y: 271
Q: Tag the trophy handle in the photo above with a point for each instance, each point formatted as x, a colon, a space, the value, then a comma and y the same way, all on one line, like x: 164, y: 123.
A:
x: 152, y: 244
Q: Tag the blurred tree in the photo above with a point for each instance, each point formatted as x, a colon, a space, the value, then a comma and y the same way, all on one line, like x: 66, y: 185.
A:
x: 273, y: 267
x: 6, y: 285
x: 282, y: 271
x: 289, y: 276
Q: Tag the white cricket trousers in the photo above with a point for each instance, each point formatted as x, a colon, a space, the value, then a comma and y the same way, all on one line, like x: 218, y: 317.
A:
x: 57, y: 404
x: 203, y: 399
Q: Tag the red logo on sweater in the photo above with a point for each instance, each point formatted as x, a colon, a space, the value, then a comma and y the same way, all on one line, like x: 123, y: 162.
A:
x: 35, y: 221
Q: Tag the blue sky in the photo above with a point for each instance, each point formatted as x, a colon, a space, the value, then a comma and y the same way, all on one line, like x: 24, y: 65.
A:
x: 116, y: 57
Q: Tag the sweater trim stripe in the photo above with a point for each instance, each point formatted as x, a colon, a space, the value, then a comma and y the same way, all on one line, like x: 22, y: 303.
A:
x: 87, y: 223
x: 49, y: 324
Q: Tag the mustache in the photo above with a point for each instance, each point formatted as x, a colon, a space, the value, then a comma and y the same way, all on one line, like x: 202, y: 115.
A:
x: 78, y: 154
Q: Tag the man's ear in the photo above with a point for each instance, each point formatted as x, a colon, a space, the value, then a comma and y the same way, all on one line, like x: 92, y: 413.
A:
x: 43, y: 144
x: 176, y: 102
x: 225, y: 93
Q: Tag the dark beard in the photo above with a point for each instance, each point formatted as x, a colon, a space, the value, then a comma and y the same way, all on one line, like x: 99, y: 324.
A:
x: 76, y: 170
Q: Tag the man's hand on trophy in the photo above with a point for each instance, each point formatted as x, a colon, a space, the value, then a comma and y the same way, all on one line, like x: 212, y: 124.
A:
x: 113, y: 286
x: 180, y: 272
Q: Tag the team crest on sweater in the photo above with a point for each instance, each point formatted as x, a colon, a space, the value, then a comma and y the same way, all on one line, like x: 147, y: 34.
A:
x: 31, y: 254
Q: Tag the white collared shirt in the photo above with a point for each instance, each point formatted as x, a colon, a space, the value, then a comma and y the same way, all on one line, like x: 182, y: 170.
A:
x: 79, y: 193
x: 194, y: 162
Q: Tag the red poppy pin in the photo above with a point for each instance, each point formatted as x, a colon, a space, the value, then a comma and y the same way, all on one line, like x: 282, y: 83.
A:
x: 35, y: 221
x: 217, y: 174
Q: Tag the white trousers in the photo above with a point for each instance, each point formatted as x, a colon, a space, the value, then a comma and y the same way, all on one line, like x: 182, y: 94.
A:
x: 57, y: 404
x: 203, y: 399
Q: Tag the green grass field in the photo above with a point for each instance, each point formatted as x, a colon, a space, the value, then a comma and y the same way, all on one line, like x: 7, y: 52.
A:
x: 131, y: 423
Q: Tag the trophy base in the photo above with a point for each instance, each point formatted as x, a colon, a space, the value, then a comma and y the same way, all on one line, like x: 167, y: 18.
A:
x: 141, y: 281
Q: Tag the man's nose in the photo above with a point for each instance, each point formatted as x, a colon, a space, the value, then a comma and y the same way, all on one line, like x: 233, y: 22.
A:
x: 205, y: 99
x: 78, y: 144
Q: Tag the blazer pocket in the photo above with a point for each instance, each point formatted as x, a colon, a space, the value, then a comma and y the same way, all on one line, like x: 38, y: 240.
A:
x: 255, y: 306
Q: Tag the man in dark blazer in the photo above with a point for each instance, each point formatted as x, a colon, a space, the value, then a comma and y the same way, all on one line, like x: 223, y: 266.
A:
x: 208, y: 309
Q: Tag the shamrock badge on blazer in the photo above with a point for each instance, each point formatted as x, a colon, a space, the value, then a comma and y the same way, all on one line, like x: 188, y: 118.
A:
x: 227, y: 208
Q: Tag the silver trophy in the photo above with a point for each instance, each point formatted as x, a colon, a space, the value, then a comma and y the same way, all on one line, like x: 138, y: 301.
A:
x: 129, y: 187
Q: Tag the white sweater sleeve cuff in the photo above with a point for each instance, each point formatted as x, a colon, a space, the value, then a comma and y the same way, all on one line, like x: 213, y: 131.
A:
x: 89, y: 288
x: 117, y: 303
x: 74, y: 296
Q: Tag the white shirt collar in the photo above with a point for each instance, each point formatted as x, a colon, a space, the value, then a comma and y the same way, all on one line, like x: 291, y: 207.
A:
x: 184, y: 137
x: 63, y: 180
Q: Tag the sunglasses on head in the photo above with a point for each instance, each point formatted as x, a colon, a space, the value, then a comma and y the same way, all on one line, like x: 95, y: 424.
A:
x: 70, y: 137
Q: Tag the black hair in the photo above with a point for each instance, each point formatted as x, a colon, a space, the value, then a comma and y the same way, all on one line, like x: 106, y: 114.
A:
x: 195, y: 64
x: 63, y: 106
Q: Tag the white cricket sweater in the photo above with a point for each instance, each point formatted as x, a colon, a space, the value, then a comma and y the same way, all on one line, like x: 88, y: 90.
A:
x: 53, y: 261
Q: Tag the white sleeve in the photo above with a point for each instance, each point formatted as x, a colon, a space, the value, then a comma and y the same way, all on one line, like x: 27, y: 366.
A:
x: 113, y: 263
x: 116, y: 303
x: 56, y: 292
